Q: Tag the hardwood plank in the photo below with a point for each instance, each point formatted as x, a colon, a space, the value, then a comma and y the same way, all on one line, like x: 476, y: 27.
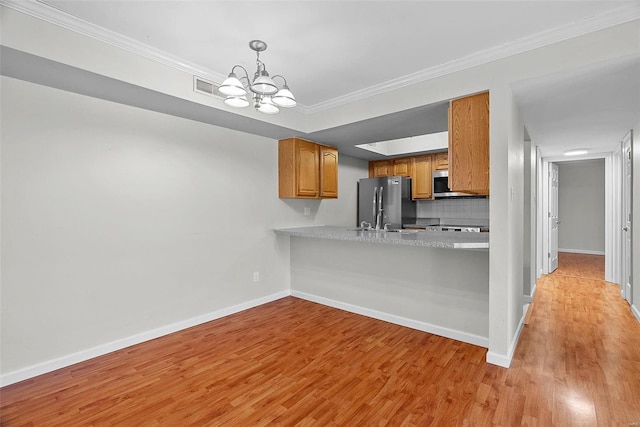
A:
x: 295, y: 362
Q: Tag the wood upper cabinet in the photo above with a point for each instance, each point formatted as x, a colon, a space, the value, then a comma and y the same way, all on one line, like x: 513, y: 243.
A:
x: 380, y: 168
x: 397, y: 167
x: 418, y: 168
x: 440, y: 161
x: 402, y: 167
x: 469, y: 144
x: 328, y: 172
x: 300, y: 174
x: 421, y: 178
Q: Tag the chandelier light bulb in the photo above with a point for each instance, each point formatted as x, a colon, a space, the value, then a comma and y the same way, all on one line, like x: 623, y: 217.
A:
x: 264, y: 85
x: 232, y: 86
x: 237, y: 101
x: 267, y: 106
x: 284, y: 98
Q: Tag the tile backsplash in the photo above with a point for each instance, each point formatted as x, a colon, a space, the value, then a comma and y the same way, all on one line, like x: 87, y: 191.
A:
x: 472, y: 208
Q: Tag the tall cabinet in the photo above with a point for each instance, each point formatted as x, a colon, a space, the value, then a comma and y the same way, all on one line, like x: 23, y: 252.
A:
x: 469, y: 144
x: 307, y: 170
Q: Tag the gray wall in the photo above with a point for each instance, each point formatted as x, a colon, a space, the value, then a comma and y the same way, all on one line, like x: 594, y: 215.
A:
x: 118, y: 220
x: 581, y: 206
x: 530, y: 199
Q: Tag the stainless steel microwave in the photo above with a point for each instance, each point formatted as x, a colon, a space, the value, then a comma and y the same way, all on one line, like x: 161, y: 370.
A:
x: 441, y: 186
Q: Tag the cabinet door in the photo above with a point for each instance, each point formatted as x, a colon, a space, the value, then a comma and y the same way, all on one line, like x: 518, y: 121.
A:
x: 380, y: 168
x: 440, y: 161
x: 307, y: 169
x: 328, y: 172
x: 469, y: 144
x: 402, y: 167
x: 421, y: 177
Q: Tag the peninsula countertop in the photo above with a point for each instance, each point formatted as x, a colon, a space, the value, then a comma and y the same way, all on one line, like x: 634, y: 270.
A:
x: 431, y: 239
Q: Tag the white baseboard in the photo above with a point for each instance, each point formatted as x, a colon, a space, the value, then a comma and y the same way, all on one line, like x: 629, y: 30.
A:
x: 397, y: 320
x: 81, y: 356
x: 528, y: 299
x: 582, y: 251
x: 635, y: 312
x: 504, y: 360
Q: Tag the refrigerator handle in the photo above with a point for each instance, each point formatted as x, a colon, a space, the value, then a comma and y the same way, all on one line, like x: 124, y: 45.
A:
x: 375, y: 198
x: 379, y: 219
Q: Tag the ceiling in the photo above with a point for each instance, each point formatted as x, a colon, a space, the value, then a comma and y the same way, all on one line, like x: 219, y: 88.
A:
x: 591, y: 107
x: 333, y: 52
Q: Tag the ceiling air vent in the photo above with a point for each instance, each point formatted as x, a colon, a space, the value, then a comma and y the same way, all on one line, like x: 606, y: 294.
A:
x: 205, y: 87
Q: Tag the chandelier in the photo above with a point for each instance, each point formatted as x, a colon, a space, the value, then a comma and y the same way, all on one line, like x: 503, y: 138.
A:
x: 266, y: 96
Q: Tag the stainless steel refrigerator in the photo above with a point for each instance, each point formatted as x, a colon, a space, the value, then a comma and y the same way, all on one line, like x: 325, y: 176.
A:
x: 385, y: 200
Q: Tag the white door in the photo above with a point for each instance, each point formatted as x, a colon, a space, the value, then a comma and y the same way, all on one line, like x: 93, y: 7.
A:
x: 626, y: 218
x: 553, y: 217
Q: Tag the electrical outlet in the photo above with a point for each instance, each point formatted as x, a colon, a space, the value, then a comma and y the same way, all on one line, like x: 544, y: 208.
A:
x: 307, y: 211
x: 256, y: 276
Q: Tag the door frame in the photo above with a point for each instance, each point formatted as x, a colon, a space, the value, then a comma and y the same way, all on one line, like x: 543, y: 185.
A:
x: 626, y: 283
x: 613, y: 207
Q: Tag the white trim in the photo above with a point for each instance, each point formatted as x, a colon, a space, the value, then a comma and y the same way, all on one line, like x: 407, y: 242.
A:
x: 582, y: 251
x: 590, y: 156
x: 504, y: 360
x: 545, y: 216
x: 539, y: 214
x: 81, y: 356
x: 635, y: 312
x: 612, y: 216
x: 612, y: 206
x: 604, y: 20
x: 397, y: 320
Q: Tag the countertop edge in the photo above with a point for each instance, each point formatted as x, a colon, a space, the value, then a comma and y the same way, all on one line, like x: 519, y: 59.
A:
x: 427, y: 239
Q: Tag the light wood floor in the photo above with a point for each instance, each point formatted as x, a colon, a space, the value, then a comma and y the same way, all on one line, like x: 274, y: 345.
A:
x: 295, y: 362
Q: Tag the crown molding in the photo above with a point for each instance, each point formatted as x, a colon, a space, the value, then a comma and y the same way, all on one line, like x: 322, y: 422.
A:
x: 608, y: 19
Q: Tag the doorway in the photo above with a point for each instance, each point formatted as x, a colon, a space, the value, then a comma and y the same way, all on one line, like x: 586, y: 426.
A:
x: 617, y: 247
x: 575, y: 209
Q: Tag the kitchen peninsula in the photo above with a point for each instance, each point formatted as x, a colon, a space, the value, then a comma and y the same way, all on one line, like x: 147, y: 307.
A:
x: 437, y: 282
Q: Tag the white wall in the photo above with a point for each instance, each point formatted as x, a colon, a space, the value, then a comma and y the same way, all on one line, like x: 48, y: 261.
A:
x: 117, y: 220
x: 506, y: 224
x: 581, y: 198
x: 424, y: 288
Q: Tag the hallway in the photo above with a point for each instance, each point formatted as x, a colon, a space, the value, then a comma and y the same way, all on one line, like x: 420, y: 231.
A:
x: 580, y: 352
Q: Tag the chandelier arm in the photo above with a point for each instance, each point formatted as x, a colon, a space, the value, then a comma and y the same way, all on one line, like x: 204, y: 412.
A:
x: 244, y: 79
x: 282, y: 77
x: 246, y: 74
